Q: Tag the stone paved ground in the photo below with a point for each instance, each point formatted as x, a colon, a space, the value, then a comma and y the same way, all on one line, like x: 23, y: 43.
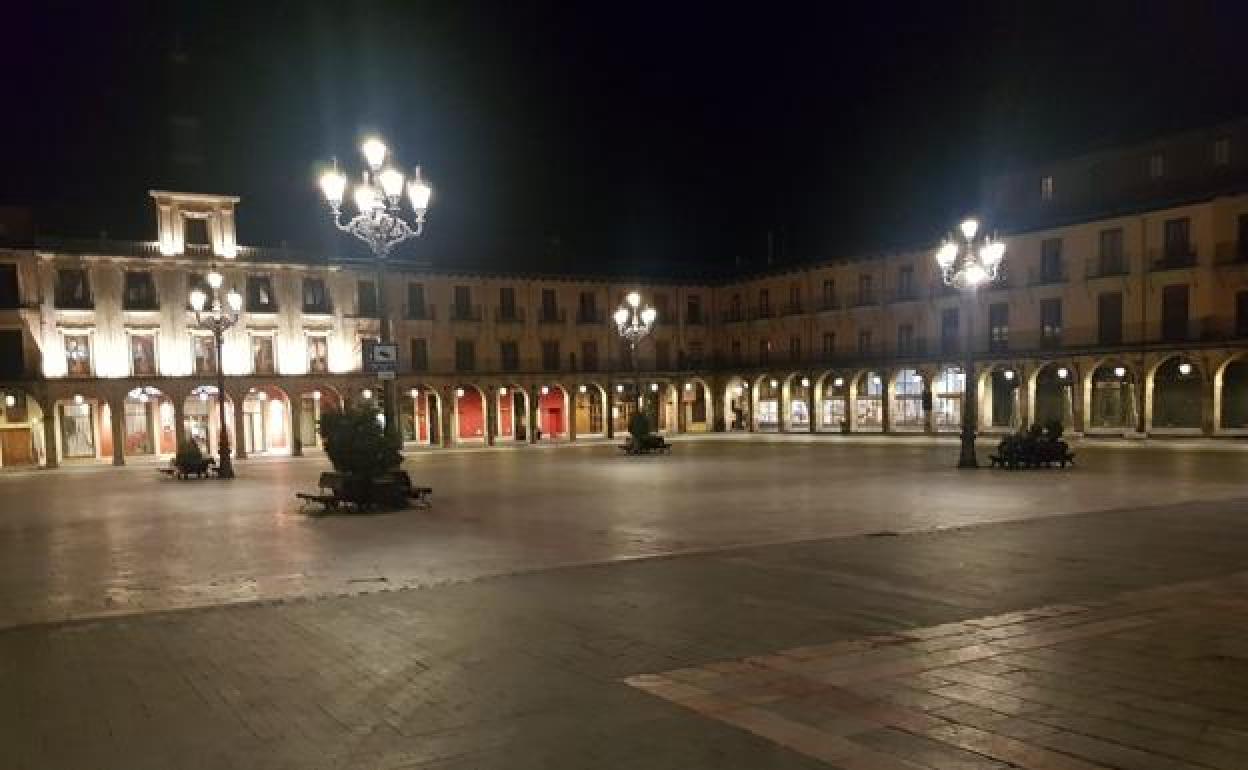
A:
x: 101, y: 541
x: 532, y: 670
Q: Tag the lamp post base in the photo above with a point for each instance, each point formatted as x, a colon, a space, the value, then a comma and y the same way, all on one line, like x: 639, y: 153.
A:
x: 225, y: 468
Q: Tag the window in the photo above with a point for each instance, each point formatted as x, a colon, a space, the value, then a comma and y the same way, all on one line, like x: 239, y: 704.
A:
x: 550, y: 306
x: 829, y: 344
x: 736, y: 352
x: 1050, y: 322
x: 1222, y: 151
x: 465, y: 356
x: 73, y: 289
x: 998, y: 326
x: 695, y: 353
x: 1046, y: 188
x: 318, y: 354
x: 509, y: 355
x: 1156, y: 166
x: 764, y: 304
x: 416, y: 301
x: 418, y: 348
x: 1109, y: 318
x: 550, y: 355
x: 195, y: 232
x: 949, y: 322
x: 662, y: 354
x: 693, y: 309
x: 366, y: 299
x: 795, y: 299
x: 204, y: 353
x: 736, y: 308
x: 1174, y: 307
x: 260, y: 296
x: 262, y: 360
x: 140, y: 291
x: 1241, y: 314
x: 1178, y: 246
x: 315, y: 298
x: 589, y: 355
x: 864, y: 342
x: 795, y: 349
x: 10, y: 297
x: 829, y: 294
x: 866, y: 292
x: 507, y: 303
x: 143, y: 354
x: 461, y: 310
x: 587, y: 308
x: 12, y: 364
x: 1051, y: 260
x: 1110, y: 260
x: 905, y: 282
x: 905, y: 339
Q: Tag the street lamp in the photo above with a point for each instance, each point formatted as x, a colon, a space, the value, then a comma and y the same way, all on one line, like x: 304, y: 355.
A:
x: 380, y: 223
x: 633, y: 322
x: 965, y: 263
x: 210, y: 314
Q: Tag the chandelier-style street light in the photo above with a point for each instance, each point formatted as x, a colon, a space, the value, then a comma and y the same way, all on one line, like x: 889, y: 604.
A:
x: 966, y: 263
x: 634, y: 323
x: 379, y: 222
x: 217, y: 318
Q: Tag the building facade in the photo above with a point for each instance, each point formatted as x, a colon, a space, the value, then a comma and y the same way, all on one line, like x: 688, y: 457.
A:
x: 1131, y: 324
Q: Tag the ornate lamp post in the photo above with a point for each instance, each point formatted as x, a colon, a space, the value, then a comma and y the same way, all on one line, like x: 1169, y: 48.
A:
x: 379, y: 222
x: 633, y: 322
x: 210, y: 314
x: 965, y: 263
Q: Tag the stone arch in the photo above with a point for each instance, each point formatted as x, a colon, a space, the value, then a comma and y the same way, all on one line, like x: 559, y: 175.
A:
x: 83, y: 424
x: 24, y: 442
x: 1051, y: 393
x: 468, y: 414
x: 1111, y: 397
x: 833, y: 388
x: 266, y: 420
x: 1000, y: 397
x: 767, y: 397
x: 867, y: 394
x: 201, y: 417
x: 948, y: 391
x: 799, y: 401
x: 590, y: 409
x: 1230, y: 395
x: 907, y: 413
x: 697, y: 406
x: 314, y: 400
x: 737, y: 404
x: 553, y: 411
x: 149, y: 422
x: 1174, y: 396
x: 512, y: 407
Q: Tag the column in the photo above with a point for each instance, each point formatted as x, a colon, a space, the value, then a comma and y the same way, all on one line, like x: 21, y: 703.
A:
x: 51, y: 452
x: 812, y: 404
x: 1207, y: 397
x: 179, y: 420
x: 117, y: 416
x: 606, y: 416
x: 682, y: 422
x: 887, y: 389
x: 491, y: 414
x: 535, y: 409
x: 238, y: 443
x: 445, y: 415
x: 296, y: 422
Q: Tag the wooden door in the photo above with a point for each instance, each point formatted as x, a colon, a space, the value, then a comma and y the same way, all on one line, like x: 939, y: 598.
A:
x: 16, y: 447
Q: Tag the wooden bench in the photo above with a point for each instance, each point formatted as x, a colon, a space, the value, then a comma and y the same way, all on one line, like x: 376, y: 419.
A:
x: 651, y: 443
x: 335, y: 493
x: 201, y: 470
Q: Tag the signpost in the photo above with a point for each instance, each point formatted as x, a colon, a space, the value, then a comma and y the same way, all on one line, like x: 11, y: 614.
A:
x: 381, y: 359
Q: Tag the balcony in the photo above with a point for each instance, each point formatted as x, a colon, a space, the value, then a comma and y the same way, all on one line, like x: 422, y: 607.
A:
x: 550, y: 315
x: 1049, y: 277
x: 323, y: 308
x: 905, y: 294
x: 734, y: 316
x: 792, y: 308
x: 828, y: 304
x: 1174, y: 258
x: 422, y: 313
x: 865, y: 299
x: 1106, y: 268
x: 589, y: 316
x: 465, y: 312
x: 762, y: 314
x: 508, y: 315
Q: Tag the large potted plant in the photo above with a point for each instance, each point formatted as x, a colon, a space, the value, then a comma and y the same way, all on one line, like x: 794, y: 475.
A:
x: 365, y: 455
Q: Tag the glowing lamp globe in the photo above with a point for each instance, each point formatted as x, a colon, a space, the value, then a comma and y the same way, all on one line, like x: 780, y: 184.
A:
x: 419, y: 192
x: 374, y: 152
x: 391, y: 183
x: 969, y: 227
x: 648, y: 315
x: 334, y: 186
x: 621, y: 316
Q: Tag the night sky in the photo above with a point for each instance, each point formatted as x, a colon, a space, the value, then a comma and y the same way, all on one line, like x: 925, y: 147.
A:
x: 591, y: 137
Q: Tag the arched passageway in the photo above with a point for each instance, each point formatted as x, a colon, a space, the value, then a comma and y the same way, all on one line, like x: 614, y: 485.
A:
x: 1054, y: 399
x: 947, y: 391
x: 907, y: 412
x: 1177, y: 395
x: 767, y: 404
x: 696, y: 407
x: 21, y: 430
x: 589, y: 410
x: 833, y: 414
x: 869, y: 402
x: 149, y: 423
x: 1003, y: 402
x: 314, y: 403
x: 552, y: 412
x: 201, y: 418
x: 800, y: 403
x: 1234, y: 395
x: 513, y: 413
x: 1112, y: 400
x: 266, y: 421
x: 737, y: 405
x: 469, y: 416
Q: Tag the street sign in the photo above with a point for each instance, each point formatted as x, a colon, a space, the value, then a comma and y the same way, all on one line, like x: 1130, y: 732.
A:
x: 381, y: 358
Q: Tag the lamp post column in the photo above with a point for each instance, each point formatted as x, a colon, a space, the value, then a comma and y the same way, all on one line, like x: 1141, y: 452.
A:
x: 386, y: 333
x: 967, y: 457
x: 225, y: 468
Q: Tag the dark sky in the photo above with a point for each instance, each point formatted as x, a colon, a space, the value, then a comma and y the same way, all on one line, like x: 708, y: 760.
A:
x: 591, y: 136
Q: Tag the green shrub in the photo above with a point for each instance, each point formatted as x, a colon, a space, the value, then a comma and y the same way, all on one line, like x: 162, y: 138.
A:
x: 356, y: 443
x: 639, y: 427
x: 189, y: 455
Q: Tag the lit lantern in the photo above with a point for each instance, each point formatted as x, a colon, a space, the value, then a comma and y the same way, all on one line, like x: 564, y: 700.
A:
x: 459, y: 393
x: 366, y: 394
